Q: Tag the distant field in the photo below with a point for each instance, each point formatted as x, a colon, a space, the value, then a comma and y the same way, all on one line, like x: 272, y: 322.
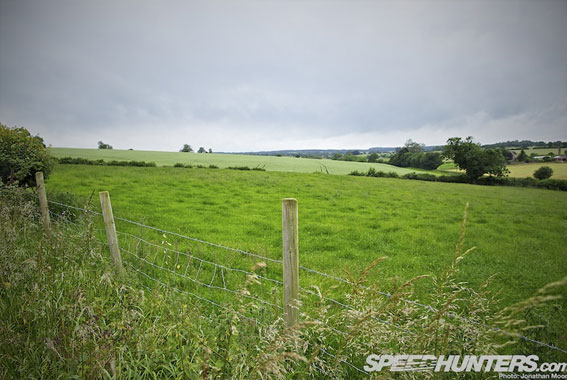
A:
x: 539, y: 151
x: 518, y: 170
x: 346, y: 222
x: 270, y: 163
x: 527, y: 170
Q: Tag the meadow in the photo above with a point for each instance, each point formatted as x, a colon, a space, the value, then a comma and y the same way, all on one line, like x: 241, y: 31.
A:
x: 347, y: 222
x: 517, y: 170
x: 527, y: 170
x: 179, y: 312
x: 270, y: 163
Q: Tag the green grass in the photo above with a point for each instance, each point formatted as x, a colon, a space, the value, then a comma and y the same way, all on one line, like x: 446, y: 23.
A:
x: 65, y: 312
x: 270, y: 163
x: 346, y: 222
x: 517, y: 170
x: 527, y: 170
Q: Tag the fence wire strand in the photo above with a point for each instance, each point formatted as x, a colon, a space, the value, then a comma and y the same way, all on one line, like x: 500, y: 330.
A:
x: 336, y: 278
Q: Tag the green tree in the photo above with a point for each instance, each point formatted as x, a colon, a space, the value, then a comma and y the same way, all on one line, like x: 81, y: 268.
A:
x: 22, y: 155
x: 186, y: 148
x: 522, y: 157
x: 414, y: 147
x: 337, y: 156
x: 201, y: 150
x: 430, y: 160
x: 544, y: 172
x: 102, y: 145
x: 210, y: 150
x: 473, y: 159
x: 373, y: 157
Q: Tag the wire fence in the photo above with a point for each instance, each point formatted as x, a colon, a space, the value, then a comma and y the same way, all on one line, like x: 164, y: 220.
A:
x: 207, y: 271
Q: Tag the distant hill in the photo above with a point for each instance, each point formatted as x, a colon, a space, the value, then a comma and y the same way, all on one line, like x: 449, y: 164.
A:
x: 328, y: 152
x: 523, y: 144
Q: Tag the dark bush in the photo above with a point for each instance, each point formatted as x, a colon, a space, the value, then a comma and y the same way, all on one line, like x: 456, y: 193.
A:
x: 544, y: 172
x: 84, y: 161
x: 549, y: 183
x: 22, y: 155
x: 178, y: 165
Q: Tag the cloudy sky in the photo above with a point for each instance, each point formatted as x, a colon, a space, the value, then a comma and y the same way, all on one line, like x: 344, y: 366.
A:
x: 262, y: 75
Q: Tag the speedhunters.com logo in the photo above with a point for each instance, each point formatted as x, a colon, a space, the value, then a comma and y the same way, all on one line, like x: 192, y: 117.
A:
x: 509, y: 366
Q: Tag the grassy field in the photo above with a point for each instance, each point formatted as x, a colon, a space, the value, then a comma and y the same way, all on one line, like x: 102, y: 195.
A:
x: 65, y: 312
x: 539, y: 151
x: 270, y: 163
x: 346, y: 222
x: 527, y: 170
x: 518, y: 170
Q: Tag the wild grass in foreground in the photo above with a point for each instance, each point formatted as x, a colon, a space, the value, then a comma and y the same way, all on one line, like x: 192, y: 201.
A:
x: 65, y: 314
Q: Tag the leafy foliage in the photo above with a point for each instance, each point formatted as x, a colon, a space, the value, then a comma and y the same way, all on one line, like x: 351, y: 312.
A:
x: 186, y: 148
x: 412, y: 155
x: 544, y: 172
x: 102, y: 145
x: 475, y: 160
x: 85, y: 161
x: 22, y: 155
x: 522, y: 157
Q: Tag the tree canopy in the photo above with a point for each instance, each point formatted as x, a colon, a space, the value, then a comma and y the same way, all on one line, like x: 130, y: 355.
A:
x: 412, y: 155
x: 473, y: 159
x: 186, y: 148
x: 22, y: 155
x: 102, y: 145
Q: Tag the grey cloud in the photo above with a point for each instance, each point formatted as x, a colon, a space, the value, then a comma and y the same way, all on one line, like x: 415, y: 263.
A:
x: 318, y: 70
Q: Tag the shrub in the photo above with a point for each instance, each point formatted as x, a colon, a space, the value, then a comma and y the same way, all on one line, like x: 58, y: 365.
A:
x: 178, y: 165
x: 213, y: 167
x: 85, y: 161
x: 544, y: 172
x: 22, y: 155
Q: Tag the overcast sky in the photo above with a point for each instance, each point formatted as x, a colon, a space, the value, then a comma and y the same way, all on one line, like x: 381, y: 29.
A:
x: 262, y: 75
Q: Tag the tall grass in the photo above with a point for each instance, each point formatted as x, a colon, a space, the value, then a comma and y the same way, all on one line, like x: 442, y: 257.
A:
x: 63, y: 314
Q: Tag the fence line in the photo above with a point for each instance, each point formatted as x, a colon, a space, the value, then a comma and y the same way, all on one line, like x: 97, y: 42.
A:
x: 240, y: 314
x: 427, y: 307
x: 196, y: 281
x: 199, y: 259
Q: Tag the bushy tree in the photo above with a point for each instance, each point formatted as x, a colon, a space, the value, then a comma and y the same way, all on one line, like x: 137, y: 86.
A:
x: 201, y: 150
x: 373, y: 157
x: 22, y: 155
x: 102, y: 145
x: 412, y: 155
x: 430, y: 160
x: 522, y: 157
x: 544, y: 172
x: 473, y: 159
x: 186, y: 148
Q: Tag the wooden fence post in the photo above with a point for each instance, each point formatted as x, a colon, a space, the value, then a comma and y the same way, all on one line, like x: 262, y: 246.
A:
x: 110, y: 228
x: 290, y: 260
x: 43, y: 206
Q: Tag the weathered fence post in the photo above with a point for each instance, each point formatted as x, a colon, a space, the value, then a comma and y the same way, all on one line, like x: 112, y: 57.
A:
x: 110, y: 230
x: 43, y: 202
x: 290, y: 260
